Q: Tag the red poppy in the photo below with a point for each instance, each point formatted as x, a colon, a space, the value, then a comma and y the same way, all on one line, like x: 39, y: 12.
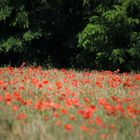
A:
x: 64, y: 111
x: 15, y: 107
x: 8, y: 98
x: 84, y: 128
x: 21, y: 116
x: 99, y: 121
x: 68, y: 127
x: 58, y: 84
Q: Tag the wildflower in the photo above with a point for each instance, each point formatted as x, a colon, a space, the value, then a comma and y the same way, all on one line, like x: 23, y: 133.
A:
x: 88, y: 112
x: 45, y: 82
x: 99, y: 121
x: 68, y: 127
x: 116, y: 99
x: 8, y: 98
x: 137, y: 77
x: 58, y: 85
x: 15, y: 107
x: 72, y: 117
x: 21, y: 116
x: 99, y: 84
x: 64, y: 111
x: 84, y: 128
x: 56, y: 115
x: 112, y: 126
x: 87, y: 100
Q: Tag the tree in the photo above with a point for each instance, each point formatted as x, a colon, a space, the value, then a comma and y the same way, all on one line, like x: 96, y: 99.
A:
x: 25, y: 24
x: 112, y: 35
x: 17, y: 29
x: 85, y: 33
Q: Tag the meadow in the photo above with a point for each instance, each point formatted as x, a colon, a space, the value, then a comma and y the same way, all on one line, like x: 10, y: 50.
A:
x: 37, y: 104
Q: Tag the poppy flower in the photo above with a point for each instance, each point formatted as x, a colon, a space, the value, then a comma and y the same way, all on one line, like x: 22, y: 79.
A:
x: 68, y: 127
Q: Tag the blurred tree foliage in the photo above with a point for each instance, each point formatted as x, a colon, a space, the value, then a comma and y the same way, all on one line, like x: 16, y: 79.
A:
x: 67, y: 33
x: 112, y: 34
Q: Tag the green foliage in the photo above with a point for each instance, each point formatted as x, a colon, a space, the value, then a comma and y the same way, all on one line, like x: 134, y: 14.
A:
x: 11, y: 42
x: 113, y: 34
x: 17, y: 29
x: 93, y: 37
x: 5, y: 10
x: 81, y: 33
x: 24, y: 24
x: 29, y: 36
x: 21, y: 18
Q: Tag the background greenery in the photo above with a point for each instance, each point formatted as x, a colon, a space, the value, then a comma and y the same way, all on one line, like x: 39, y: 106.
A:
x: 97, y: 34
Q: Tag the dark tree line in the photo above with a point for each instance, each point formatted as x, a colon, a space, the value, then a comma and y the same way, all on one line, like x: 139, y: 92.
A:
x: 101, y: 34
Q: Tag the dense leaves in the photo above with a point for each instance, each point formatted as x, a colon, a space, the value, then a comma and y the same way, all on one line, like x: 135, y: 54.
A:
x: 16, y: 28
x: 113, y: 34
x: 82, y: 33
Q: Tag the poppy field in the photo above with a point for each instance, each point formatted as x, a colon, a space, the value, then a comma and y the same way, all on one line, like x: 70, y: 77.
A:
x: 38, y: 104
